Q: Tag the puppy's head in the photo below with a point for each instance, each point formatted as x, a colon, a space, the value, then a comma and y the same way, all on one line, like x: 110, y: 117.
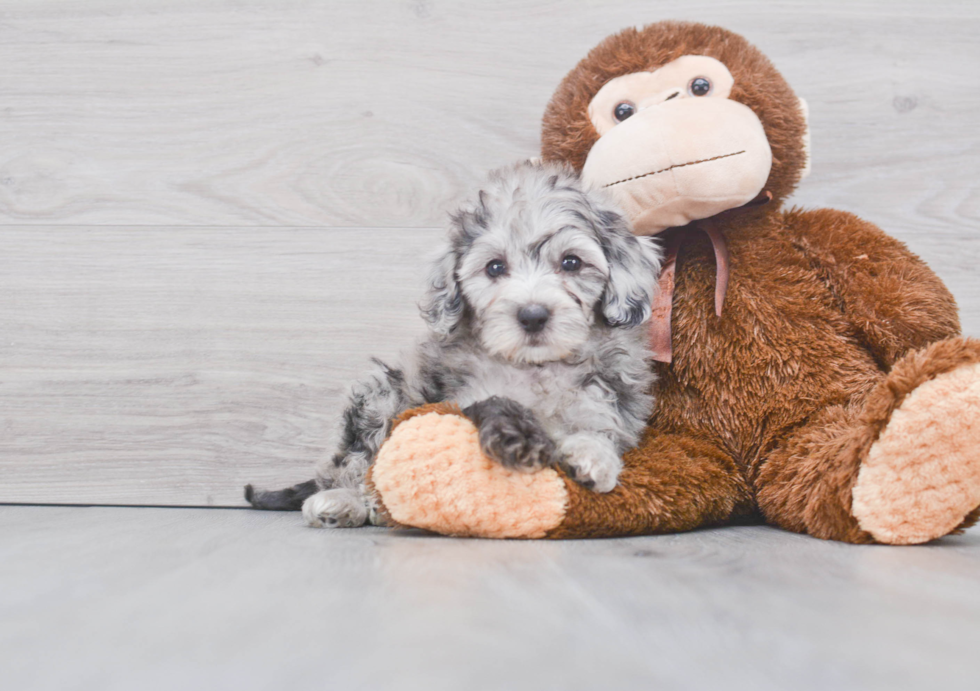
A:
x: 537, y: 263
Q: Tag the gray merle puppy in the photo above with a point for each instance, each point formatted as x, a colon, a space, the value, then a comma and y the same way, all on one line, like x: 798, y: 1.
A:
x: 534, y: 312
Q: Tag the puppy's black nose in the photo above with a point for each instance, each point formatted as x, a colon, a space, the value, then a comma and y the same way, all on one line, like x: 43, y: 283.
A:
x: 533, y: 318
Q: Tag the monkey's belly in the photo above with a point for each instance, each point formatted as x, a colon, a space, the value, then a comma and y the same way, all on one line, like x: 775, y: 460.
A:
x: 779, y: 353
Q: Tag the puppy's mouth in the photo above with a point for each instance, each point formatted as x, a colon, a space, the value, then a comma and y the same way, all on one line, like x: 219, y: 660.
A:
x: 676, y: 165
x: 539, y: 349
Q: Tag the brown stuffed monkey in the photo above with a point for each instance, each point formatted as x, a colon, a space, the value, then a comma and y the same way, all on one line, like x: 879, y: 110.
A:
x: 833, y: 396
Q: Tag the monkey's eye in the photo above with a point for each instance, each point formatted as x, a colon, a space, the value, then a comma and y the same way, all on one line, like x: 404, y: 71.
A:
x: 571, y: 263
x: 496, y: 267
x: 699, y: 86
x: 623, y: 110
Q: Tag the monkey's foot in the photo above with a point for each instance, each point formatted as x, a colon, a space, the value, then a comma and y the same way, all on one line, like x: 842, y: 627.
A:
x: 921, y: 478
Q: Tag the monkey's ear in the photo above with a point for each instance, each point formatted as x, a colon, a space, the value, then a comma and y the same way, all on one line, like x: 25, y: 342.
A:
x: 634, y: 264
x: 442, y: 303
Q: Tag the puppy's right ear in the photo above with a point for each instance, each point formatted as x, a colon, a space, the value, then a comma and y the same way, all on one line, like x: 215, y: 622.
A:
x: 442, y: 304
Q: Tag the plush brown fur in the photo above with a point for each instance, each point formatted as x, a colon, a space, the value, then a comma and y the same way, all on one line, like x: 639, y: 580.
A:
x: 672, y: 482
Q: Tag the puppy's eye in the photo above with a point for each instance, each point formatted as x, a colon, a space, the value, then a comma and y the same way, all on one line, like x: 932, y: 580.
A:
x: 571, y: 263
x: 699, y: 86
x: 623, y: 110
x: 495, y: 267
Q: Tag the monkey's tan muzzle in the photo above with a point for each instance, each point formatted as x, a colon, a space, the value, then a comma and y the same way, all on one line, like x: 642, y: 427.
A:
x: 681, y: 161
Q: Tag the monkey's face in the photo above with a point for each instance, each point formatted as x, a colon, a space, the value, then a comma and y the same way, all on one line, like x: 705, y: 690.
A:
x: 673, y: 148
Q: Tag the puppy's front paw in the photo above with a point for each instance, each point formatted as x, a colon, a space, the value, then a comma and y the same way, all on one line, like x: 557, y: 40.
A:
x: 510, y: 434
x: 591, y: 461
x: 335, y: 508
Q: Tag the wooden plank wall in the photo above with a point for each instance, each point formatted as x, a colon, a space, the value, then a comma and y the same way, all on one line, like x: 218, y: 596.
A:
x: 213, y: 211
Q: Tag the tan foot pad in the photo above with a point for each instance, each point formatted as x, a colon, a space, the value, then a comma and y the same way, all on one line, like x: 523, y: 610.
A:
x: 431, y: 474
x: 922, y: 475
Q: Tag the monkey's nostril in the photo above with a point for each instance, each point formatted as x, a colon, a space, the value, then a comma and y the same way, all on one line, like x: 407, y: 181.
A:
x: 533, y: 317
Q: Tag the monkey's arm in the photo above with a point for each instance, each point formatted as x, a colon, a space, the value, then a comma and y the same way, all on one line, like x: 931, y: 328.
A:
x: 669, y: 483
x: 894, y: 301
x: 431, y: 474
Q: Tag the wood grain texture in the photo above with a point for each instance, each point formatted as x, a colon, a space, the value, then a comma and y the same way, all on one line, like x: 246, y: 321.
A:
x: 171, y: 366
x: 99, y: 598
x: 213, y: 211
x: 380, y: 113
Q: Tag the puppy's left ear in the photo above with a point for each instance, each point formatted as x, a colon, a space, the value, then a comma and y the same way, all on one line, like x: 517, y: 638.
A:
x: 634, y: 264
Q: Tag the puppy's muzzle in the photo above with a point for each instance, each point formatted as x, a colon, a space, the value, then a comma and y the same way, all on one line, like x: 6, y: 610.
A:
x: 533, y: 318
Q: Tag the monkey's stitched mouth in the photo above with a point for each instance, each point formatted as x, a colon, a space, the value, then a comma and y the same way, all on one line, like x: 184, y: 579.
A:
x: 677, y: 165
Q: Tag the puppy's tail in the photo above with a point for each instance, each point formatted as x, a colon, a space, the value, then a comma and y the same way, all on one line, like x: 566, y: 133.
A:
x: 289, y: 499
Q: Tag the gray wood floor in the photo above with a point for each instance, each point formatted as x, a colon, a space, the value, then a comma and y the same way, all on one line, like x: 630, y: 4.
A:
x: 141, y: 598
